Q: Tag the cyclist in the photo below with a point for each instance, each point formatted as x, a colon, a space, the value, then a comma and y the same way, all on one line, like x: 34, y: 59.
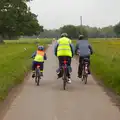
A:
x: 64, y: 49
x: 39, y: 57
x: 84, y: 49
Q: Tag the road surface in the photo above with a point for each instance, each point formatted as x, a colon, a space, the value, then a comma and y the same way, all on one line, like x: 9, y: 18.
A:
x: 50, y: 102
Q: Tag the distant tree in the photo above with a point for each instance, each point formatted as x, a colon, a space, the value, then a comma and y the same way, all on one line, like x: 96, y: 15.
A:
x: 70, y: 30
x: 73, y: 31
x: 117, y: 29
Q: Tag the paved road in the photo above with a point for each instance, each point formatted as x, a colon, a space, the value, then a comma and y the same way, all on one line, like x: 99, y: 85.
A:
x: 50, y: 102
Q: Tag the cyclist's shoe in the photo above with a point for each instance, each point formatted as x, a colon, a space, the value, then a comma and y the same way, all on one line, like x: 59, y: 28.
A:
x: 58, y: 73
x: 69, y: 81
x: 80, y: 76
x: 33, y: 75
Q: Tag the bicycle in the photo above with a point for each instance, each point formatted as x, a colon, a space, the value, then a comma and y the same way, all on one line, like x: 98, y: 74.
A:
x: 85, y: 63
x: 37, y: 75
x: 65, y: 72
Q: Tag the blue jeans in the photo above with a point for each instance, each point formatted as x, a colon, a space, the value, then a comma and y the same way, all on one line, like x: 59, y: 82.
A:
x: 34, y: 64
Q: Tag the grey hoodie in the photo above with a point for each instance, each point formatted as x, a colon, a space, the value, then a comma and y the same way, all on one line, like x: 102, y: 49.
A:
x: 84, y: 48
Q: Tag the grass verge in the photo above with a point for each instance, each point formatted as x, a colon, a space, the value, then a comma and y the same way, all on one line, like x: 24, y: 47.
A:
x: 105, y: 62
x: 14, y: 63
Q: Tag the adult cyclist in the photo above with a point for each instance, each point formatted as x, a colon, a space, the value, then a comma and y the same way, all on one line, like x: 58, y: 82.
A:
x: 84, y: 49
x: 64, y: 50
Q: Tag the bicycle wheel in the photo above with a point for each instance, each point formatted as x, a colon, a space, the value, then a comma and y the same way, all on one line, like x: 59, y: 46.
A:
x: 85, y: 79
x: 64, y: 79
x: 38, y: 77
x: 84, y: 74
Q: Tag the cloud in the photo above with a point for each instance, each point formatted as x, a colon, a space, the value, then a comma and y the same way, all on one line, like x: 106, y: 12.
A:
x: 55, y: 13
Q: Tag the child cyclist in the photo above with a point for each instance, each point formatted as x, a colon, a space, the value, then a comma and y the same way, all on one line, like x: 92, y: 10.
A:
x: 39, y: 57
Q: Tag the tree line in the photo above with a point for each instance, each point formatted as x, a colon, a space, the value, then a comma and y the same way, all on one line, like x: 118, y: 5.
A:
x: 91, y: 32
x: 16, y: 19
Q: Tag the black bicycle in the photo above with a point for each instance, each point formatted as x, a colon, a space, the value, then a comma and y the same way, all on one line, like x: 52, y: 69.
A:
x: 65, y: 73
x: 85, y: 63
x: 37, y: 75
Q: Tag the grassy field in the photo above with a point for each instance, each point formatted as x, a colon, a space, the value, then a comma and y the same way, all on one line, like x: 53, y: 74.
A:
x: 105, y: 63
x: 15, y: 62
x: 28, y: 41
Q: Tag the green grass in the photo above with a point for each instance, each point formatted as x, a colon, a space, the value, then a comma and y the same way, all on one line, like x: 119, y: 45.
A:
x: 28, y: 41
x: 14, y: 63
x: 105, y: 62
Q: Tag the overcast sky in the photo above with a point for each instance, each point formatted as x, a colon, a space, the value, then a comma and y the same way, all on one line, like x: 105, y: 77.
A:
x: 55, y: 13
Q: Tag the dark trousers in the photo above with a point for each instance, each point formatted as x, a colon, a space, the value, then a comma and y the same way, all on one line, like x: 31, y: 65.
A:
x: 34, y: 64
x: 68, y: 59
x: 61, y: 59
x: 81, y: 65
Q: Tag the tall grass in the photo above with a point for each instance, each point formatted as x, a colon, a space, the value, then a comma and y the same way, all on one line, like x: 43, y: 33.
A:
x: 105, y: 62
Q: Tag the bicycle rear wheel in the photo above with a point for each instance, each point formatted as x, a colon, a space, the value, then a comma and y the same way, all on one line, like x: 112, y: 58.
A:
x: 85, y: 79
x: 38, y: 77
x: 64, y: 79
x: 35, y: 76
x: 84, y: 76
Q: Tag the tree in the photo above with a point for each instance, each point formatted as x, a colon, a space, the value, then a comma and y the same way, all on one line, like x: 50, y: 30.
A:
x: 73, y: 31
x: 16, y: 19
x: 117, y: 29
x: 70, y: 30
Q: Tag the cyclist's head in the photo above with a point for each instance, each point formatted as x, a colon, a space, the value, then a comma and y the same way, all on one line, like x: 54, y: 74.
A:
x: 64, y: 35
x: 41, y: 48
x: 81, y: 37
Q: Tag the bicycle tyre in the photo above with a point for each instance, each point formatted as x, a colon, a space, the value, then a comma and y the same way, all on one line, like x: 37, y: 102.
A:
x: 38, y: 81
x: 85, y: 79
x: 38, y: 77
x: 64, y: 80
x: 84, y: 76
